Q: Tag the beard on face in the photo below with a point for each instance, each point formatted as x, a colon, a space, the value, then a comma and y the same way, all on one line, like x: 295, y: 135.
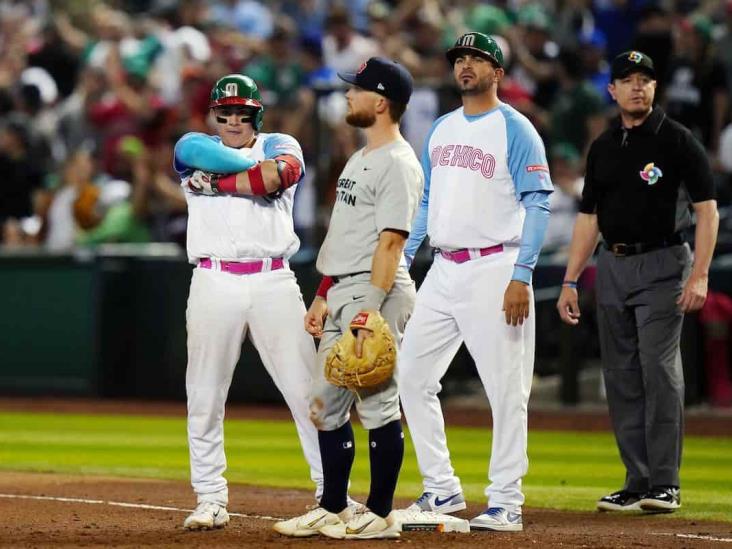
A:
x: 477, y: 88
x: 361, y: 119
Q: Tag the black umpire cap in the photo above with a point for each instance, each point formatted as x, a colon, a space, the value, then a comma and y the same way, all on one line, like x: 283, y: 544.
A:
x: 383, y: 76
x: 629, y: 62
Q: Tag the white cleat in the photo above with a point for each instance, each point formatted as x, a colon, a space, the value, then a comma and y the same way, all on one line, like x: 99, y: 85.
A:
x: 498, y: 519
x: 206, y: 517
x: 364, y: 524
x: 308, y: 524
x: 436, y: 503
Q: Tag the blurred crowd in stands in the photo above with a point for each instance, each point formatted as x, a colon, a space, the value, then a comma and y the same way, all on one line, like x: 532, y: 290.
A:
x: 94, y: 95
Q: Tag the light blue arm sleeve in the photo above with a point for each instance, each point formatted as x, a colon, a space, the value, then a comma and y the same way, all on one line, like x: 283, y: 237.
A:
x: 198, y: 151
x: 532, y: 235
x: 419, y: 226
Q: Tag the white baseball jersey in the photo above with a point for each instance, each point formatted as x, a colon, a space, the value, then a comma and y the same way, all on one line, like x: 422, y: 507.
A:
x: 237, y: 228
x: 477, y: 168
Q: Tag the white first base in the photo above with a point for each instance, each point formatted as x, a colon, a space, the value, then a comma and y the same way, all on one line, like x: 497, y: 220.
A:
x: 427, y: 521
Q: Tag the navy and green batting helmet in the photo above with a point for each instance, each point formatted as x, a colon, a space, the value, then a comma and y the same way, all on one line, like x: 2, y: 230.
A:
x: 237, y: 89
x: 476, y: 43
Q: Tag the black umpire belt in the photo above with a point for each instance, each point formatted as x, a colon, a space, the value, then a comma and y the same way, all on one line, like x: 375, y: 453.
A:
x: 341, y: 278
x: 621, y: 249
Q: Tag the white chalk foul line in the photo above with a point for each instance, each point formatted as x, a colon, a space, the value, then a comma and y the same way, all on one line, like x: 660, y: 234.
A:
x: 125, y: 504
x: 693, y: 536
x: 263, y: 517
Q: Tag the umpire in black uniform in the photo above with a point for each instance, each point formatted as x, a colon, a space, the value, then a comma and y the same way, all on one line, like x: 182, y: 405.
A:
x: 643, y: 173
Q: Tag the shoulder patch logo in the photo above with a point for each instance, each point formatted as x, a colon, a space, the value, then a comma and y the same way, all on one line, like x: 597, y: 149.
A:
x: 651, y: 173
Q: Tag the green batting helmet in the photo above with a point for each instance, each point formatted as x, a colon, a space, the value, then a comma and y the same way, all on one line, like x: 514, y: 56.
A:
x: 237, y: 89
x: 476, y: 43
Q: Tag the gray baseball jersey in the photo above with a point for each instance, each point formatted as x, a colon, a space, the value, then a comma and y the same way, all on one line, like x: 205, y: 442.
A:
x: 377, y: 190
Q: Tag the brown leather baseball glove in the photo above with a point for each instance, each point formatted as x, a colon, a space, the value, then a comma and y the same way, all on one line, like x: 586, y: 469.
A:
x: 378, y: 357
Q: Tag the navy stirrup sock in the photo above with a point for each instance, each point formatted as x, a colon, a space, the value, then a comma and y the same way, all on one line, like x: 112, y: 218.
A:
x: 337, y: 453
x: 386, y: 451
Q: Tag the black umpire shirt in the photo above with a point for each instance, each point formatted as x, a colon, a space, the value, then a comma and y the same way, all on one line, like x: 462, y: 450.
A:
x: 639, y: 180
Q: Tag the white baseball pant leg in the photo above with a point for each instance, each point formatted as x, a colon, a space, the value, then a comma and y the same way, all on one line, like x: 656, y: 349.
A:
x: 430, y: 342
x: 288, y: 353
x: 504, y: 358
x: 216, y: 322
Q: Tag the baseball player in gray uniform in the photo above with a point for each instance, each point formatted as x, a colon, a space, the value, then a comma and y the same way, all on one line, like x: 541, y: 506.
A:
x: 364, y: 269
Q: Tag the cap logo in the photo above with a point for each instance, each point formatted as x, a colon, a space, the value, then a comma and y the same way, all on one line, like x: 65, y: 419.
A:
x: 361, y: 68
x: 231, y: 89
x: 467, y: 40
x: 635, y: 57
x: 380, y: 86
x: 651, y: 173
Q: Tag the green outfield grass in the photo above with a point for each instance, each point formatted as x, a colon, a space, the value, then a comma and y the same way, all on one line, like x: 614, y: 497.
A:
x: 567, y: 470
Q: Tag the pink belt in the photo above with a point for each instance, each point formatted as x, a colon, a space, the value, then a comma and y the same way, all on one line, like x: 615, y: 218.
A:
x: 244, y: 267
x: 466, y: 254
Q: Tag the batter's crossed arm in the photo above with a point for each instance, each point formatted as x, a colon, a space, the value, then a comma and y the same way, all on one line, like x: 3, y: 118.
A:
x: 266, y: 177
x: 210, y: 159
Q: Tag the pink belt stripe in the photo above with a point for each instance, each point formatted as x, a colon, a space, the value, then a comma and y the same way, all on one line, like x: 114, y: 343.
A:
x: 463, y: 255
x: 244, y: 267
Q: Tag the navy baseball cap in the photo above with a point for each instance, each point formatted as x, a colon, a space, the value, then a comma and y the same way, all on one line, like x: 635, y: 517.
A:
x: 629, y: 62
x: 383, y: 76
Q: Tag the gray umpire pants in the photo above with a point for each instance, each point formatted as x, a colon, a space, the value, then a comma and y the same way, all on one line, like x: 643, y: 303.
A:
x: 640, y: 331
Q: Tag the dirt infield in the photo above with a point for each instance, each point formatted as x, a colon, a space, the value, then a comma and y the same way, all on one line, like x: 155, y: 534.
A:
x: 49, y: 522
x: 51, y: 510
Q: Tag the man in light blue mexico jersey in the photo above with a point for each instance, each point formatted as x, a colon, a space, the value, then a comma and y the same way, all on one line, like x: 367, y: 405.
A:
x: 240, y: 186
x: 485, y: 208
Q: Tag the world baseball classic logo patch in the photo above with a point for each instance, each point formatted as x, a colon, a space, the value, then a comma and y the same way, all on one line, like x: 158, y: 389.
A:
x: 635, y: 56
x: 651, y: 173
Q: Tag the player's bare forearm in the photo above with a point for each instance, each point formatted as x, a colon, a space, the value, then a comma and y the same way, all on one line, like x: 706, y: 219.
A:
x: 386, y: 258
x: 584, y: 241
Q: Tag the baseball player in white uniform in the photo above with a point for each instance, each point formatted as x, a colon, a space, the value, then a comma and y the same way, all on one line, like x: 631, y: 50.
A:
x: 485, y: 208
x: 239, y: 186
x: 365, y: 271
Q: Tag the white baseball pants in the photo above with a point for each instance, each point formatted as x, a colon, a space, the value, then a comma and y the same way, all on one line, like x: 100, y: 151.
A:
x: 222, y: 309
x: 456, y: 303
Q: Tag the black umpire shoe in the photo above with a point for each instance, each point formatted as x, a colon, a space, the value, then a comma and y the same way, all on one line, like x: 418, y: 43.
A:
x: 661, y: 499
x: 622, y: 500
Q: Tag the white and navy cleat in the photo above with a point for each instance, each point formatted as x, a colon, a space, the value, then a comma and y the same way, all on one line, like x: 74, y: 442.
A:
x: 439, y: 504
x: 498, y: 519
